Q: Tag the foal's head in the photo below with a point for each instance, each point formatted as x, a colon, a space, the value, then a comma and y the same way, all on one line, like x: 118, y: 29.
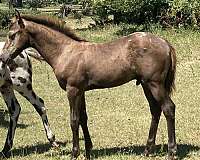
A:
x: 17, y: 39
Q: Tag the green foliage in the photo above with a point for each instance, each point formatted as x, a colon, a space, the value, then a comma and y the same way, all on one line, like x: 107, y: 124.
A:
x: 186, y: 12
x: 130, y: 11
x: 5, y: 16
x: 36, y: 3
x: 167, y: 12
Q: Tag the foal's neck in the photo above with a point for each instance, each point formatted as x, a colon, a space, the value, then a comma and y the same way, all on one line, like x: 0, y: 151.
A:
x: 49, y: 43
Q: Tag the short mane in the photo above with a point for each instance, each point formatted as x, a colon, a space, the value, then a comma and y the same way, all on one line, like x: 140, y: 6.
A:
x: 55, y: 24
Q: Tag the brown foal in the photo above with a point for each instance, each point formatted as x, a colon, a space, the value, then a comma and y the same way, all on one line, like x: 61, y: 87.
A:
x: 80, y: 66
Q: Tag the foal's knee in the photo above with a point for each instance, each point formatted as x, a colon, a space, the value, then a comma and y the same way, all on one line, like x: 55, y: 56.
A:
x: 169, y: 109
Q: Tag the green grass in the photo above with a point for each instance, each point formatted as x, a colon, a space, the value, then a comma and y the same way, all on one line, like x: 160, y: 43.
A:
x: 119, y: 118
x: 3, y: 6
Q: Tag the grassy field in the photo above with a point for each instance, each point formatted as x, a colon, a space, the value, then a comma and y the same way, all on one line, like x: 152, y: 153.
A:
x: 119, y: 118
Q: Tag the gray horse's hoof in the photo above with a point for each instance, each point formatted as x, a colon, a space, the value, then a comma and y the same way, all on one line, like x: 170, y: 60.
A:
x: 4, y: 155
x: 55, y: 144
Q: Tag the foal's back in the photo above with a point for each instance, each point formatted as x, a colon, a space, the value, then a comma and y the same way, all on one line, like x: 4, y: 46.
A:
x: 114, y: 63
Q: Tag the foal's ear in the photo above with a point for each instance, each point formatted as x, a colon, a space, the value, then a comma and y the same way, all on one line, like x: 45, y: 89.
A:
x: 19, y: 19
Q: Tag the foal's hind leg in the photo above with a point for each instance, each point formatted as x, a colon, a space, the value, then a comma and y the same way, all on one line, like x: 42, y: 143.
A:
x: 14, y: 111
x: 168, y: 107
x: 83, y: 123
x: 155, y: 109
x: 28, y: 92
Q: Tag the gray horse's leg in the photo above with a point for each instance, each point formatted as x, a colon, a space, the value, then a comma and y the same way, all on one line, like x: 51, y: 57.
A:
x: 14, y: 111
x: 38, y: 103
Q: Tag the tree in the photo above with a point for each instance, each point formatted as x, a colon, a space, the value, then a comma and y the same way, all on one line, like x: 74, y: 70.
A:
x: 15, y: 3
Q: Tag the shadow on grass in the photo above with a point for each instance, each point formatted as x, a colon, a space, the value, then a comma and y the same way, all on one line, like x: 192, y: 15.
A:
x: 5, y: 123
x: 159, y: 150
x: 39, y: 148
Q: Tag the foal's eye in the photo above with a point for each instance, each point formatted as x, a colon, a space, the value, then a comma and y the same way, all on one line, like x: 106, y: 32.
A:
x: 12, y: 36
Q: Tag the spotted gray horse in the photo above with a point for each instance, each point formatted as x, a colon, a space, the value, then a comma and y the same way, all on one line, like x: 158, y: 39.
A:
x: 17, y: 75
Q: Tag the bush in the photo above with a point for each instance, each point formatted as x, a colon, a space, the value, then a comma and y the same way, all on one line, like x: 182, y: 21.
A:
x: 166, y: 12
x: 185, y: 13
x: 34, y: 3
x: 138, y: 11
x: 5, y: 16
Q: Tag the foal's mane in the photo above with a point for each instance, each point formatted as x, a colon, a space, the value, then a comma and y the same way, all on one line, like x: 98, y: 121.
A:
x: 55, y: 24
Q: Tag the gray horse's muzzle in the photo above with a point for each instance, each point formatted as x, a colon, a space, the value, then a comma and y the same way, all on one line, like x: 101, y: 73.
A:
x: 5, y: 56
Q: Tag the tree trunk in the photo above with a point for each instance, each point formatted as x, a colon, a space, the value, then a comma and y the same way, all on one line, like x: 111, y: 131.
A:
x: 0, y: 1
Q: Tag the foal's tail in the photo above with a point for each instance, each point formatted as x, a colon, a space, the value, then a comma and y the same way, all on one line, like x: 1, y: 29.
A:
x: 170, y: 78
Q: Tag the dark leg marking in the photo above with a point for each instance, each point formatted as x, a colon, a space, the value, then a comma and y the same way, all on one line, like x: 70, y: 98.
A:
x: 3, y: 65
x: 29, y: 87
x: 33, y: 93
x: 38, y: 109
x: 21, y: 55
x: 12, y: 65
x: 13, y: 104
x: 29, y: 71
x: 29, y: 62
x: 9, y: 81
x: 21, y: 93
x: 41, y: 100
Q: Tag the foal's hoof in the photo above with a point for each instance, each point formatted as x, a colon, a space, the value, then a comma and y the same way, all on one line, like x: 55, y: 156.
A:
x: 147, y: 151
x: 75, y: 153
x: 54, y: 144
x: 88, y: 148
x: 87, y: 154
x: 172, y: 157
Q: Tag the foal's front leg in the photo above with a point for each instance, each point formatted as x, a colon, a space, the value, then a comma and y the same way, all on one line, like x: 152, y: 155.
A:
x: 74, y: 97
x: 14, y: 111
x: 83, y: 123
